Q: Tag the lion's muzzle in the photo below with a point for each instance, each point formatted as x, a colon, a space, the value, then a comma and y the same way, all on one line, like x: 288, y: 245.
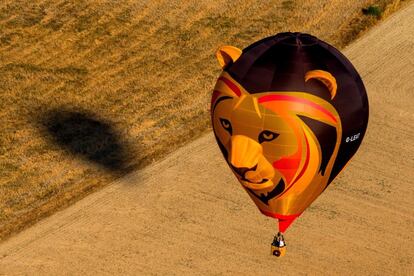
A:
x: 247, y: 160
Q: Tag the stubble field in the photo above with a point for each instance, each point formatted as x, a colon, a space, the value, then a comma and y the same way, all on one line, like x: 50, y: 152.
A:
x: 91, y: 90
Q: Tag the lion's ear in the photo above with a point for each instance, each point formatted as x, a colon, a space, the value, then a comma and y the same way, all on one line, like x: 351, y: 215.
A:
x: 325, y: 77
x: 227, y: 55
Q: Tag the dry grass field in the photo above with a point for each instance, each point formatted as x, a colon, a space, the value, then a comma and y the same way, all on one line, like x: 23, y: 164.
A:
x: 90, y: 90
x: 188, y: 215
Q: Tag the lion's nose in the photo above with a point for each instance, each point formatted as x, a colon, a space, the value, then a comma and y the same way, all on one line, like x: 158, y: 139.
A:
x: 244, y: 152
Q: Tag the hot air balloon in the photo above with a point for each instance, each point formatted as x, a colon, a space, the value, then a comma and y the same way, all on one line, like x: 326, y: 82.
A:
x: 288, y: 112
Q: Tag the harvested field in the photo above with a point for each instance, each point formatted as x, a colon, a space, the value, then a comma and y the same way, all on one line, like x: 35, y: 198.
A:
x: 91, y: 90
x: 188, y: 215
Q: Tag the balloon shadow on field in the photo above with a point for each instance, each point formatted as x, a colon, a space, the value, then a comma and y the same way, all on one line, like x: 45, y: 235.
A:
x: 84, y: 135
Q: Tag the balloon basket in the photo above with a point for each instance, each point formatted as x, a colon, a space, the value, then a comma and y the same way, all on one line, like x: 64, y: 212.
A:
x: 278, y: 247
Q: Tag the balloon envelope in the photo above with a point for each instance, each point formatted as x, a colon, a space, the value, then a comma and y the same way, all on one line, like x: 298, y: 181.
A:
x: 288, y: 112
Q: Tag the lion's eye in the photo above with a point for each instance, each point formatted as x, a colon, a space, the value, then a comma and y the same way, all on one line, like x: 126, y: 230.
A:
x: 226, y: 125
x: 266, y: 136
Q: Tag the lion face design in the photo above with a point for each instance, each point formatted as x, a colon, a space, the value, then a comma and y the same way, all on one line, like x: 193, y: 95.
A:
x: 272, y: 141
x: 288, y: 113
